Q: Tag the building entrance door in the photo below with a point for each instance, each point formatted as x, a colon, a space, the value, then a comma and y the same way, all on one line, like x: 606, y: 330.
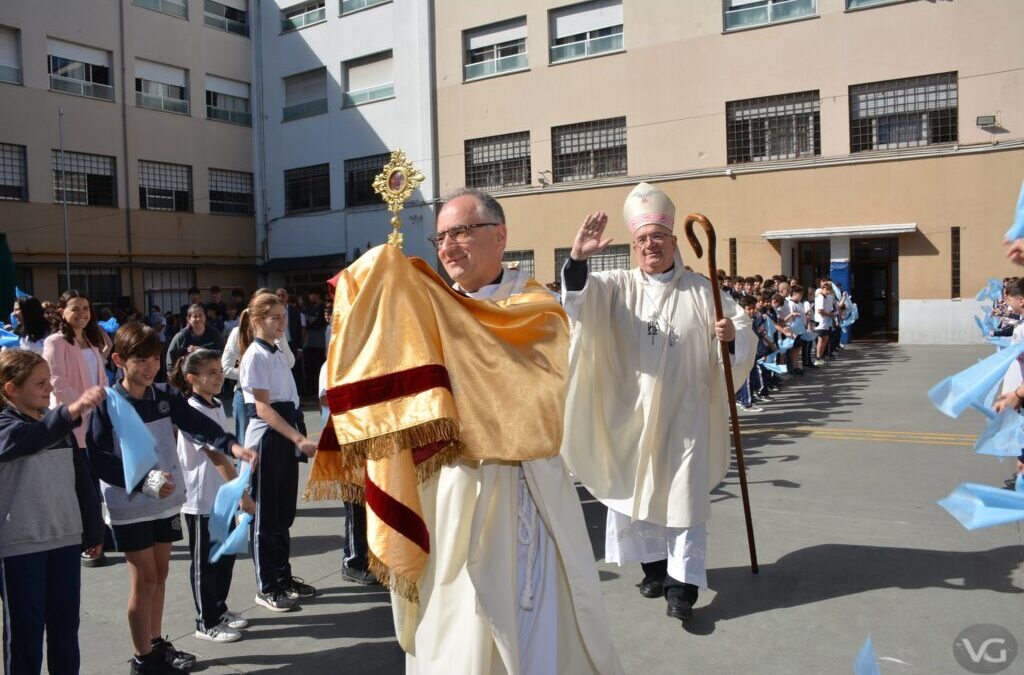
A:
x: 814, y: 257
x: 874, y: 286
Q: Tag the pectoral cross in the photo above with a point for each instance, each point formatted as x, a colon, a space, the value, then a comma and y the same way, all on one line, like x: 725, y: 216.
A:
x: 652, y: 328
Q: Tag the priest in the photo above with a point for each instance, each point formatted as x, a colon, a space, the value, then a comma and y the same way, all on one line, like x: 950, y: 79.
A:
x: 647, y: 412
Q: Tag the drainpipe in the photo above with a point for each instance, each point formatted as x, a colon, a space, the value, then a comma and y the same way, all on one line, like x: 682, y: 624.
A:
x: 124, y: 149
x: 435, y: 162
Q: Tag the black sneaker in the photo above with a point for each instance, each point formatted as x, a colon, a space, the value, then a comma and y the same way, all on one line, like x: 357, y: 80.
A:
x: 652, y: 587
x: 276, y: 601
x: 177, y: 659
x: 358, y: 576
x: 295, y: 588
x: 153, y: 664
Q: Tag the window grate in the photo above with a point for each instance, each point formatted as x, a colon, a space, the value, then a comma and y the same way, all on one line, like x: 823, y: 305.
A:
x: 522, y: 260
x: 165, y: 187
x: 614, y: 257
x: 904, y: 113
x: 359, y: 175
x: 307, y: 189
x: 13, y: 173
x: 773, y: 127
x: 167, y: 287
x: 498, y: 161
x: 589, y: 150
x: 732, y: 256
x: 954, y: 256
x: 90, y: 180
x: 231, y: 192
x: 101, y: 284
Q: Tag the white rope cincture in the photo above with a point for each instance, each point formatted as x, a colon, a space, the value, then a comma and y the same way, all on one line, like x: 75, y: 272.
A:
x: 529, y: 536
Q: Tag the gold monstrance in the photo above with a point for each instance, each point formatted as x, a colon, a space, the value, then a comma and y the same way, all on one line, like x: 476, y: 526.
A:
x: 395, y: 184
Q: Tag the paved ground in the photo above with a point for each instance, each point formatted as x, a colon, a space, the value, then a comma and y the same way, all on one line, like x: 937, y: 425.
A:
x: 845, y: 468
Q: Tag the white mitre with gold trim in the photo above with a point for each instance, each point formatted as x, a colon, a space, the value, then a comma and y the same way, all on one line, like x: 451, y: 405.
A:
x: 648, y: 205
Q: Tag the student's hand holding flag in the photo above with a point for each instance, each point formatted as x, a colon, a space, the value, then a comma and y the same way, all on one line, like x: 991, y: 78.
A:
x: 247, y: 505
x: 1009, y: 399
x: 245, y: 454
x: 92, y: 397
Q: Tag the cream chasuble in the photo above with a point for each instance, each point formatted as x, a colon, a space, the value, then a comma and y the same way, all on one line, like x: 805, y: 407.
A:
x: 477, y: 613
x: 646, y: 416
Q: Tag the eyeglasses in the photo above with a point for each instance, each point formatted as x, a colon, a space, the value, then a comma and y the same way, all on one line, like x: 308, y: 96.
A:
x: 460, y: 234
x: 657, y: 238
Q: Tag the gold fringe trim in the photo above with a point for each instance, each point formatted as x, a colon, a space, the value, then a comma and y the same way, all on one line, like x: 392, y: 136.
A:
x: 387, y: 445
x: 393, y: 581
x: 323, y: 490
x: 428, y: 469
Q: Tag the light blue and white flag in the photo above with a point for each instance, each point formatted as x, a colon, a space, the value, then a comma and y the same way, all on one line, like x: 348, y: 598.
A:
x: 980, y: 506
x: 225, y: 504
x: 237, y: 542
x: 1016, y: 230
x: 138, y: 446
x: 1003, y: 435
x: 110, y: 326
x: 19, y: 294
x: 971, y: 386
x: 866, y: 663
x: 993, y: 291
x: 8, y: 339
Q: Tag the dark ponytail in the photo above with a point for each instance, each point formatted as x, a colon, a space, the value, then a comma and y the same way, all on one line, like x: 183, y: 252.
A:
x: 190, y: 364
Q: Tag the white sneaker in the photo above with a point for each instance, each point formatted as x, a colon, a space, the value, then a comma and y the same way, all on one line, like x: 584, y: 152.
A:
x: 819, y: 362
x: 233, y: 620
x: 219, y: 633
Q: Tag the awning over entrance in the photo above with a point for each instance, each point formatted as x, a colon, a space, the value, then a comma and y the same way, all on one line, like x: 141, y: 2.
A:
x: 843, y: 231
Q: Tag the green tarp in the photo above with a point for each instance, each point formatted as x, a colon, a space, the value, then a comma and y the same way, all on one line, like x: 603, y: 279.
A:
x: 6, y: 279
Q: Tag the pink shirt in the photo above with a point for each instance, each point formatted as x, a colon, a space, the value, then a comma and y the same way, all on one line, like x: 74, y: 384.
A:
x: 69, y: 376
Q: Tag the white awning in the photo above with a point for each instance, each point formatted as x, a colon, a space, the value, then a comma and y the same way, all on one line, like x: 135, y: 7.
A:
x: 76, y: 52
x: 843, y: 231
x: 585, y: 17
x: 507, y: 31
x: 222, y: 85
x: 158, y: 72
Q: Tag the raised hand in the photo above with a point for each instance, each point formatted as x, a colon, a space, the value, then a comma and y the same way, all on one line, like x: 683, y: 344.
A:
x: 588, y: 240
x: 86, y: 402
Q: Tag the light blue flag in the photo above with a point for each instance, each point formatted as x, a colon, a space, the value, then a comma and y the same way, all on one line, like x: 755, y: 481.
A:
x: 8, y: 339
x: 979, y: 506
x: 19, y: 294
x: 110, y: 325
x: 13, y: 320
x: 993, y: 291
x: 852, y: 314
x: 225, y: 504
x: 776, y: 368
x: 785, y: 344
x: 1001, y: 342
x: 1018, y: 485
x: 138, y: 447
x: 1016, y: 230
x: 1003, y: 435
x: 866, y: 663
x: 237, y: 542
x: 769, y: 328
x: 957, y: 392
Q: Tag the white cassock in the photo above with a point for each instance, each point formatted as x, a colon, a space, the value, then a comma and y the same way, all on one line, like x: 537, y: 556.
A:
x: 511, y: 585
x: 646, y: 418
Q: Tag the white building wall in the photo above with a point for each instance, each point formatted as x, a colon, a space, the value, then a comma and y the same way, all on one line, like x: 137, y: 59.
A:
x: 940, y: 322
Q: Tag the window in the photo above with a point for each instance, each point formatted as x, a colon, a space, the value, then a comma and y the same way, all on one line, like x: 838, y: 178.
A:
x: 496, y: 49
x: 368, y: 79
x: 349, y: 6
x: 13, y: 173
x: 359, y: 175
x: 586, y: 30
x: 82, y: 71
x: 954, y: 258
x: 165, y: 187
x: 589, y: 150
x: 302, y: 15
x: 773, y: 127
x: 307, y: 189
x: 161, y: 87
x: 167, y: 287
x: 498, y: 161
x: 903, y: 113
x: 101, y: 284
x: 228, y: 15
x: 231, y: 192
x: 732, y: 256
x: 859, y: 4
x: 24, y: 279
x: 10, y: 55
x: 615, y: 257
x: 750, y: 13
x: 90, y: 180
x: 227, y: 101
x: 521, y: 260
x: 305, y: 94
x: 178, y: 8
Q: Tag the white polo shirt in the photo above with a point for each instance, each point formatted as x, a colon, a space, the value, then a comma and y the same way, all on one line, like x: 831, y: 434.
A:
x: 264, y: 366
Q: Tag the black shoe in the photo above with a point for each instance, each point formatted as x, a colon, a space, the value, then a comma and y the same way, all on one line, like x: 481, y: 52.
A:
x: 681, y: 600
x: 153, y: 664
x: 295, y: 588
x: 652, y: 587
x: 176, y: 659
x: 358, y: 576
x: 99, y: 561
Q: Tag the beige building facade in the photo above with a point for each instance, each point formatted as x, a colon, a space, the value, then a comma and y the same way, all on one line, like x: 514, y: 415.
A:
x: 157, y: 163
x: 879, y: 141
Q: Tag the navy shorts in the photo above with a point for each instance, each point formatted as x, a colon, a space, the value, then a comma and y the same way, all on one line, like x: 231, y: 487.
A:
x: 140, y: 536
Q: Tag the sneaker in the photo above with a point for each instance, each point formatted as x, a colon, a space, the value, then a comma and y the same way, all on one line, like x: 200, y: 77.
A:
x: 177, y: 659
x: 236, y: 621
x: 219, y: 633
x: 98, y: 561
x: 751, y: 408
x: 297, y: 588
x: 358, y: 576
x: 153, y: 665
x: 276, y: 601
x: 818, y: 363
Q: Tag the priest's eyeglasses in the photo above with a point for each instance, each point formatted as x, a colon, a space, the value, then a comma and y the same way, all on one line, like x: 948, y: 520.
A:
x: 656, y: 238
x: 460, y: 234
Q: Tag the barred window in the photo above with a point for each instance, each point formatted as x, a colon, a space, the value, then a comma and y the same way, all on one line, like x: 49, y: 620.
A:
x: 101, y: 284
x: 903, y: 113
x: 359, y: 175
x: 167, y: 287
x: 612, y: 258
x: 521, y: 260
x: 89, y: 179
x: 773, y: 127
x: 13, y: 173
x: 498, y: 161
x: 954, y: 262
x: 230, y: 192
x: 307, y: 189
x: 589, y: 150
x: 165, y: 187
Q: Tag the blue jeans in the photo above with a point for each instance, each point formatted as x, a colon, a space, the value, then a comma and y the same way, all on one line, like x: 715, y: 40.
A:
x: 239, y: 415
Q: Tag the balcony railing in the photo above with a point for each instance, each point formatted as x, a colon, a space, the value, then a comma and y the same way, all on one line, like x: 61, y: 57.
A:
x: 232, y: 116
x: 368, y: 95
x: 9, y: 74
x: 174, y: 105
x: 505, y: 64
x: 348, y: 6
x: 303, y: 20
x: 81, y: 87
x: 773, y: 12
x: 229, y: 25
x: 308, y: 109
x: 586, y: 48
x: 165, y: 6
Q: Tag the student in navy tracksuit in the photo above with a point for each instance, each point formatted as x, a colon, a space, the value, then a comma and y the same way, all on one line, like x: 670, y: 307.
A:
x: 49, y: 514
x: 276, y: 431
x: 145, y: 518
